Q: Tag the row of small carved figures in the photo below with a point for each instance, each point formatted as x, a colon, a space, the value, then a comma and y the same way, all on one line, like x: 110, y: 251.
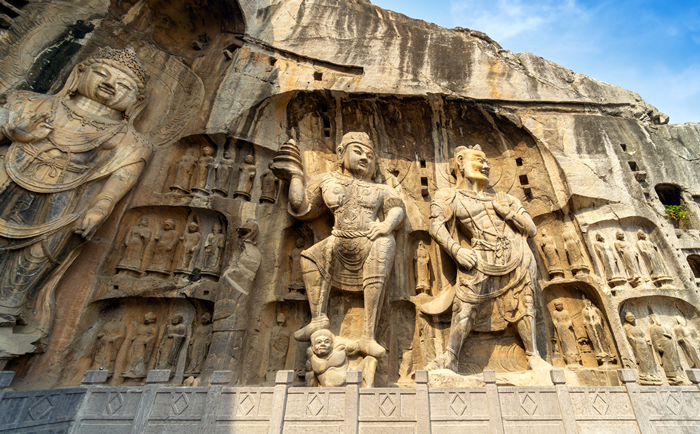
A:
x: 168, y: 247
x: 192, y: 174
x: 142, y: 346
x: 663, y: 344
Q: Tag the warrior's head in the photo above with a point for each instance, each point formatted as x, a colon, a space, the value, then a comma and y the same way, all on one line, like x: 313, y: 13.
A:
x: 473, y: 165
x: 322, y: 342
x: 356, y: 156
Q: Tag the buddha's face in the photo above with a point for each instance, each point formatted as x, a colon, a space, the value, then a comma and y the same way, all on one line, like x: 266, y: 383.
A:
x: 216, y: 229
x: 630, y: 318
x: 359, y: 160
x: 144, y: 222
x: 474, y: 166
x: 168, y: 225
x: 193, y: 227
x: 108, y: 85
x: 322, y: 345
x: 559, y: 305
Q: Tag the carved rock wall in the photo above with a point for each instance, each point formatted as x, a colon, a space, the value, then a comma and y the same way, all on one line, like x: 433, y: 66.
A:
x: 585, y: 158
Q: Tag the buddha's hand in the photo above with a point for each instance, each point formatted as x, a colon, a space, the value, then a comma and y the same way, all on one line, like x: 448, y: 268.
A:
x: 90, y: 222
x: 29, y: 130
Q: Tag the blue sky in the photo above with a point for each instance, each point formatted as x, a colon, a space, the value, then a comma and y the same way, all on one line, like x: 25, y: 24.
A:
x: 649, y: 47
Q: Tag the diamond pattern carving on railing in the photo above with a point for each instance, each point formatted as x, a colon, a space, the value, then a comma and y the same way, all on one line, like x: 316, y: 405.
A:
x: 40, y: 409
x: 115, y: 401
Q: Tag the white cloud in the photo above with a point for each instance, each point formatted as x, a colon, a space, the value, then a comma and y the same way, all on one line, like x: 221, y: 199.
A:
x: 507, y: 19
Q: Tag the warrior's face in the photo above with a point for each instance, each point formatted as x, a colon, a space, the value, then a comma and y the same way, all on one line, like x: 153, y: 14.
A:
x: 359, y: 160
x: 109, y: 85
x: 474, y: 166
x: 322, y: 345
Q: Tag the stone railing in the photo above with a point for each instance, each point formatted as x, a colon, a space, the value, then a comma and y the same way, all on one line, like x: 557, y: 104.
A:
x: 160, y: 408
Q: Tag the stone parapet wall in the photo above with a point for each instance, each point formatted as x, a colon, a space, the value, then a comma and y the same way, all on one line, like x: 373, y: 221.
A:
x: 160, y: 408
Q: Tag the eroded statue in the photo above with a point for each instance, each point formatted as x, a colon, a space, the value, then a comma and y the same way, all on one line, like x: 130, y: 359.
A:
x: 662, y: 340
x: 359, y: 253
x: 279, y: 344
x: 629, y: 259
x: 593, y: 323
x: 551, y: 255
x: 689, y: 341
x: 164, y: 251
x: 652, y: 259
x: 642, y: 350
x: 184, y: 169
x: 202, y: 175
x: 223, y: 172
x: 246, y: 178
x: 572, y: 246
x: 496, y: 274
x: 141, y: 348
x: 199, y: 345
x: 268, y: 186
x: 566, y: 337
x: 329, y: 360
x: 605, y: 254
x: 135, y: 244
x: 213, y: 248
x: 71, y: 158
x: 109, y: 341
x: 170, y: 345
x: 421, y: 268
x: 189, y: 244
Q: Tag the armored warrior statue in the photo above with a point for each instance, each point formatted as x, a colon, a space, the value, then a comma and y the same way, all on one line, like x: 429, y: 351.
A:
x: 71, y: 158
x: 359, y: 254
x: 496, y: 274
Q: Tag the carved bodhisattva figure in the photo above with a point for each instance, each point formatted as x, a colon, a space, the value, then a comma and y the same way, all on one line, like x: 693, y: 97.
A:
x: 199, y: 345
x: 184, y: 171
x: 279, y: 344
x: 213, y: 248
x: 164, y: 250
x: 246, y: 178
x: 642, y: 350
x: 564, y: 327
x: 141, y: 348
x: 629, y: 259
x: 189, y: 244
x: 328, y: 362
x: 662, y: 340
x: 574, y: 254
x: 359, y: 254
x: 135, y: 244
x: 421, y: 268
x: 71, y: 158
x: 593, y: 323
x: 551, y: 255
x: 202, y: 174
x: 223, y: 172
x: 109, y: 341
x: 268, y: 186
x: 170, y: 346
x: 689, y: 341
x: 496, y: 273
x: 605, y: 254
x: 652, y: 260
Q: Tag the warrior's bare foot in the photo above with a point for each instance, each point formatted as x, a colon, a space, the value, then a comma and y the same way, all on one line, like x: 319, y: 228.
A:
x: 316, y: 324
x: 446, y: 360
x: 370, y: 347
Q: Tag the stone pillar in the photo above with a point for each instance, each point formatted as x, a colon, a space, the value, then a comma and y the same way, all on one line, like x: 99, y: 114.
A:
x: 353, y: 381
x: 422, y: 402
x: 494, y: 402
x: 633, y: 390
x: 218, y: 380
x: 154, y: 379
x: 91, y: 378
x: 279, y: 401
x: 566, y: 407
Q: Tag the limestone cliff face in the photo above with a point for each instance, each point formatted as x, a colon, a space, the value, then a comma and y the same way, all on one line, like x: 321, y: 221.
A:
x: 231, y: 80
